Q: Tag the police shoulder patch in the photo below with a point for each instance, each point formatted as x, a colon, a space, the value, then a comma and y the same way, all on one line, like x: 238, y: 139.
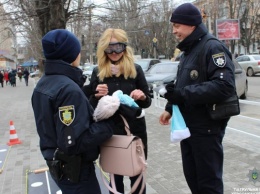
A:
x: 219, y: 59
x: 67, y: 114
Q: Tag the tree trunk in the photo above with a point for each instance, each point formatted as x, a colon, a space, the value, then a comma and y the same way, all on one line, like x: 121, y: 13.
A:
x: 51, y: 15
x: 57, y: 15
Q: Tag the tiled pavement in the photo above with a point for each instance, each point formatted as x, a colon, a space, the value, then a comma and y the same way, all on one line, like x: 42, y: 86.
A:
x: 164, y: 174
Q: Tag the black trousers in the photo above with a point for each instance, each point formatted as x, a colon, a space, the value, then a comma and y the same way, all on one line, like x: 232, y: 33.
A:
x: 120, y: 184
x: 202, y: 158
x: 26, y: 81
x: 88, y: 183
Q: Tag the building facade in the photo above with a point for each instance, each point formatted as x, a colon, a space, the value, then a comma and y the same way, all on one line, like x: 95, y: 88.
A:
x: 8, y: 54
x: 246, y: 12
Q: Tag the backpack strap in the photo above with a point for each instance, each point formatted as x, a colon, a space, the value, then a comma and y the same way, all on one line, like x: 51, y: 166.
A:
x: 127, y: 129
x: 112, y: 188
x: 141, y: 177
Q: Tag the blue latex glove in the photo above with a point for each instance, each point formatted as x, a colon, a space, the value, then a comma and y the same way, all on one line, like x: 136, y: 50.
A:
x: 125, y: 99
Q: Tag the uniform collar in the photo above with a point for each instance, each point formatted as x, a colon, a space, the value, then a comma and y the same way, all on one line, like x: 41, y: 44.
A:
x: 191, y: 40
x: 59, y: 67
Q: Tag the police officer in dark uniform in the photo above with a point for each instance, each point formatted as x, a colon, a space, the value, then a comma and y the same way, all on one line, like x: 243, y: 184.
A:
x: 205, y: 75
x: 69, y: 138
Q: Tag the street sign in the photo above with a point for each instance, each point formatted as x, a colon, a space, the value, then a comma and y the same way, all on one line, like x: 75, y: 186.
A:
x: 228, y: 29
x: 154, y: 40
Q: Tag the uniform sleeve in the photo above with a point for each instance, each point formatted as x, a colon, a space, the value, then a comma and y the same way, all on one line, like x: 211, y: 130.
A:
x: 75, y: 127
x: 141, y: 84
x: 220, y: 83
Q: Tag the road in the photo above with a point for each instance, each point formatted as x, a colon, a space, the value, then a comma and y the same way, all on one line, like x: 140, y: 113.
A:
x: 242, y: 133
x: 164, y: 172
x: 253, y: 88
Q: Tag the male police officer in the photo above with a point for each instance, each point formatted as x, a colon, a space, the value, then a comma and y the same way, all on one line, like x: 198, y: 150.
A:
x: 202, y: 152
x: 69, y: 138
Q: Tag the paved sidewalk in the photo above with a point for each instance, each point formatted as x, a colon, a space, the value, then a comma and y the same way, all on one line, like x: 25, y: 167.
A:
x: 164, y: 176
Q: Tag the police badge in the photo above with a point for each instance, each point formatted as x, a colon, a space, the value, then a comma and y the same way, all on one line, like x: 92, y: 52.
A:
x: 219, y: 59
x: 67, y: 114
x: 194, y: 74
x: 253, y: 175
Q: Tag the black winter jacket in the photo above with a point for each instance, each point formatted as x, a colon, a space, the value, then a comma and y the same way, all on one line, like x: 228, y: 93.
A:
x: 1, y: 77
x: 63, y: 114
x: 191, y: 92
x: 137, y: 125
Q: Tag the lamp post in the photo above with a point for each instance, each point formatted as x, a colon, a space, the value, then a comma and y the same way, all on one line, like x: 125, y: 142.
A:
x: 31, y: 63
x: 154, y: 46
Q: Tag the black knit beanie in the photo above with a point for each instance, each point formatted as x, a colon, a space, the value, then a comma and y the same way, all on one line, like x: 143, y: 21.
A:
x: 186, y: 14
x: 60, y: 44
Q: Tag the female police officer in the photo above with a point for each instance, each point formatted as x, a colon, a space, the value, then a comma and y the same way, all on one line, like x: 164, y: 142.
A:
x: 69, y: 138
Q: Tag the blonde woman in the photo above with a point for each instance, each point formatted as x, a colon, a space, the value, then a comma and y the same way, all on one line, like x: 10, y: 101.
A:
x: 117, y: 71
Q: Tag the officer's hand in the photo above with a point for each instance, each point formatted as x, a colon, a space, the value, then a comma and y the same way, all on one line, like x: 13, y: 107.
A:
x: 165, y: 118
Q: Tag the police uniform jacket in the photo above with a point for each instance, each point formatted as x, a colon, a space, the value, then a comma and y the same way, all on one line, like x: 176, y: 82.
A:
x: 137, y: 125
x: 63, y: 114
x: 194, y: 89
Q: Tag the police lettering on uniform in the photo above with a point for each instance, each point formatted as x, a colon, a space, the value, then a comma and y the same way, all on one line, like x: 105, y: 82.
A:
x: 69, y: 138
x: 205, y: 75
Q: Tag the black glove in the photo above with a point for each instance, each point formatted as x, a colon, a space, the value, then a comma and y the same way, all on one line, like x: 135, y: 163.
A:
x: 170, y: 87
x: 173, y: 96
x: 129, y: 112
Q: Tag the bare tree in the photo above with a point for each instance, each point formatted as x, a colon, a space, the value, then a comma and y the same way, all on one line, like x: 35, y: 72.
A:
x: 142, y: 19
x: 249, y: 23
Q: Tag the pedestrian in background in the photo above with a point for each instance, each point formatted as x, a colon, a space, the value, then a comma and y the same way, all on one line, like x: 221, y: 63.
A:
x: 69, y: 137
x: 202, y: 152
x: 2, y: 78
x: 26, y: 76
x: 12, y: 77
x: 20, y: 74
x: 116, y: 71
x: 6, y: 77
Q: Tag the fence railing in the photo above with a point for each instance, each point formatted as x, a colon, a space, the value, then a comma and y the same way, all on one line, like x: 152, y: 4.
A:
x: 160, y: 102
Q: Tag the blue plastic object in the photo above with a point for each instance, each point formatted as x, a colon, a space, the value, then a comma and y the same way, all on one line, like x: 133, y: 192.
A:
x: 125, y: 99
x: 179, y: 130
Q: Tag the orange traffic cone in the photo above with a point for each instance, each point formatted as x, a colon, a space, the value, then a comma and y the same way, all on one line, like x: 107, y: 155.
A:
x: 13, y: 136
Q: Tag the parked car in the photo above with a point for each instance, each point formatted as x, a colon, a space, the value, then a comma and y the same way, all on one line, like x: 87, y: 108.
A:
x: 146, y: 64
x: 250, y: 63
x: 35, y: 73
x: 241, y: 81
x: 88, y: 71
x: 161, y: 73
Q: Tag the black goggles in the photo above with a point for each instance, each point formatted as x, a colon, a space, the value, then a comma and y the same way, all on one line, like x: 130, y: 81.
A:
x: 115, y: 47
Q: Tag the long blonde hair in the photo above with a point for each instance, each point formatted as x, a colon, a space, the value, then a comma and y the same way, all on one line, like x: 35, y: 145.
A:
x: 126, y: 63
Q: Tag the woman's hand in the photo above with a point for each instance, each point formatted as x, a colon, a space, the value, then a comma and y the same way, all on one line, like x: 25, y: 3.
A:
x: 102, y: 90
x: 138, y: 95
